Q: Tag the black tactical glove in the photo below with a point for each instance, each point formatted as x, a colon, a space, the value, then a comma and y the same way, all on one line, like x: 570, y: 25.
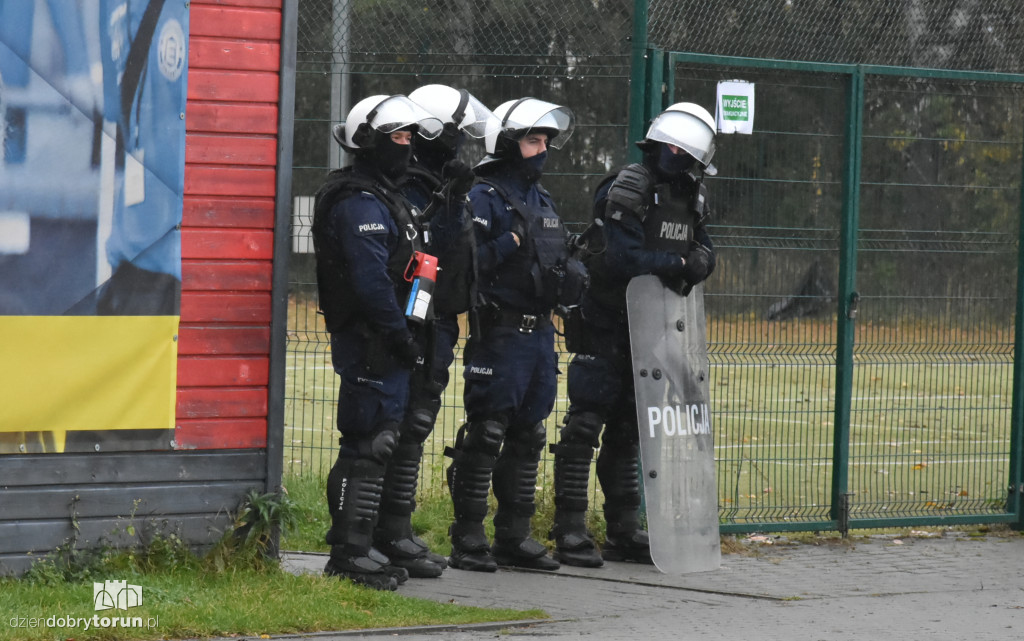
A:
x: 519, y: 230
x: 458, y: 178
x: 699, y: 261
x: 630, y: 193
x: 404, y: 348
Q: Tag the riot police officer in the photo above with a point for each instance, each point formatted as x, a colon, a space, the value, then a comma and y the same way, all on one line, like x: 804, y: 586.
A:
x: 643, y: 210
x: 365, y: 233
x: 510, y: 371
x: 437, y: 183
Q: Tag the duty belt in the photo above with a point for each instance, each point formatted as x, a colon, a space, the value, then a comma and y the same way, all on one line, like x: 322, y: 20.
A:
x: 525, y: 323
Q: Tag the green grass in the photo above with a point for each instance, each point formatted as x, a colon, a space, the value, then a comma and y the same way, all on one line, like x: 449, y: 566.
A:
x: 237, y: 602
x: 232, y: 589
x: 929, y: 431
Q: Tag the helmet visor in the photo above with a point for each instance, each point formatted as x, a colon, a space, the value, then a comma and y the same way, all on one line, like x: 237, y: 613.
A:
x: 479, y: 121
x: 398, y: 112
x: 686, y: 131
x: 531, y: 113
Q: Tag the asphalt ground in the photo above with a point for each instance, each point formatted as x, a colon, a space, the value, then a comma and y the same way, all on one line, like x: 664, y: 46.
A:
x: 951, y: 587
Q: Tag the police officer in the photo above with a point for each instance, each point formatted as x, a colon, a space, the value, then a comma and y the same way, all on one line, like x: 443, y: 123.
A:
x: 436, y: 183
x: 364, y: 235
x: 510, y: 373
x: 642, y: 208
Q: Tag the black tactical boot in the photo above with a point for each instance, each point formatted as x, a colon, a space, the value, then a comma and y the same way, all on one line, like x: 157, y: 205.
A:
x: 634, y: 546
x: 470, y: 549
x: 515, y: 482
x: 360, y: 569
x: 353, y: 496
x: 574, y: 545
x: 469, y: 480
x: 393, y: 535
x: 523, y: 553
x: 395, y: 539
x: 617, y: 469
x: 401, y: 574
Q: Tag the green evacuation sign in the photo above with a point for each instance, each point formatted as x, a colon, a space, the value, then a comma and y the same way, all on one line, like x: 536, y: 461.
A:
x: 735, y: 108
x: 734, y: 113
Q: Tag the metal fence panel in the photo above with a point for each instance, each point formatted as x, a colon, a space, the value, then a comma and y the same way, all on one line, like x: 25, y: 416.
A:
x: 771, y: 302
x: 937, y: 270
x: 920, y: 412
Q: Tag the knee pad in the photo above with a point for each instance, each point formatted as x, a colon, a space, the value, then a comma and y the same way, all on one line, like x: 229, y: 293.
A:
x: 419, y: 423
x: 582, y: 428
x: 484, y: 437
x: 528, y: 441
x: 379, y: 444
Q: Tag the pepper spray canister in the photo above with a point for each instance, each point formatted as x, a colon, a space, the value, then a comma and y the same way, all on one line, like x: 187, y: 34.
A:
x: 422, y: 273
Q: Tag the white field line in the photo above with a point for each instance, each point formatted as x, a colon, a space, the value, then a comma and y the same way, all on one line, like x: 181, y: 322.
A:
x: 774, y: 446
x: 880, y: 465
x: 311, y: 430
x: 863, y: 399
x: 887, y: 446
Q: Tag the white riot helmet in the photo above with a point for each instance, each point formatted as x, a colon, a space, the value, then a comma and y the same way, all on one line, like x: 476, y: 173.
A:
x: 688, y: 126
x: 457, y: 109
x: 519, y: 117
x: 384, y: 114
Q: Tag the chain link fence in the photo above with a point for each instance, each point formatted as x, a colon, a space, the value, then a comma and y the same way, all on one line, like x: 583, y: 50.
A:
x: 935, y: 257
x: 982, y: 35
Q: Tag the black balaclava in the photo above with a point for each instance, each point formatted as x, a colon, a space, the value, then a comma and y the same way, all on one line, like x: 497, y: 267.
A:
x: 532, y: 168
x: 528, y: 169
x: 672, y: 165
x: 388, y: 157
x: 668, y: 167
x: 433, y: 154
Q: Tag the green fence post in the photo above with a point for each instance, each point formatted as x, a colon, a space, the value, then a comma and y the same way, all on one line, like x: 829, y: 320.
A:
x: 655, y: 85
x: 848, y: 299
x: 638, y: 87
x: 668, y: 87
x: 1016, y: 480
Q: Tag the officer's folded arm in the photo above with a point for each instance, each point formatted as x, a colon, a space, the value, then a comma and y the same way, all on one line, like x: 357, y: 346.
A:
x: 627, y: 256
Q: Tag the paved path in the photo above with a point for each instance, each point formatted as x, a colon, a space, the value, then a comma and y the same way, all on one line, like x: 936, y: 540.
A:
x: 954, y: 588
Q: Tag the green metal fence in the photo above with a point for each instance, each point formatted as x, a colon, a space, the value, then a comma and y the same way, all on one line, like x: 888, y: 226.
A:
x: 865, y: 313
x: 862, y: 323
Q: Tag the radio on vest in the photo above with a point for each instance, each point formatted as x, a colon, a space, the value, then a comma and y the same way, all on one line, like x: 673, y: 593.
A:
x: 422, y: 273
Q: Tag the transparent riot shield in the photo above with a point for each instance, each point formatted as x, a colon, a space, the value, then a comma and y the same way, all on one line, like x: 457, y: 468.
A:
x: 670, y: 370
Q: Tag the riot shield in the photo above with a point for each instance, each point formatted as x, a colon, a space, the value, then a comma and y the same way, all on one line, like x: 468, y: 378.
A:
x: 670, y: 371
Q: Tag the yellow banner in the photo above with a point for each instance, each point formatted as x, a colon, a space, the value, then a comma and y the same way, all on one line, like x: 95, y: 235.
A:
x: 60, y: 373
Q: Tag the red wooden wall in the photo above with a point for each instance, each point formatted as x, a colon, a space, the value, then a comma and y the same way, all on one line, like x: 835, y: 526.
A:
x: 228, y: 223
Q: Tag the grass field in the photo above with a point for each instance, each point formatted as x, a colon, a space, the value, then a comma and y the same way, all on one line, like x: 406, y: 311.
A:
x: 929, y: 425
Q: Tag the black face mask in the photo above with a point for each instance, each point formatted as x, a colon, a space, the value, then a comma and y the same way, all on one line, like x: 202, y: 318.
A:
x: 672, y: 165
x: 435, y: 153
x: 532, y: 168
x: 390, y: 158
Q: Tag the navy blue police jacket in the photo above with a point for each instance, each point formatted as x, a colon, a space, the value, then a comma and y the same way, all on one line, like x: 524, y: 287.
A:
x: 502, y: 282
